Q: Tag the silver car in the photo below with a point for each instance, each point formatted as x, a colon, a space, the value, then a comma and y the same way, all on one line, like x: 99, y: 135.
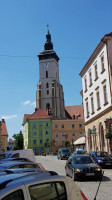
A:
x: 42, y: 185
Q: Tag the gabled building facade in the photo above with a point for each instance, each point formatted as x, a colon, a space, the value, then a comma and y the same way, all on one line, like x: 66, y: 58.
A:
x: 97, y: 95
x: 4, y: 136
x: 37, y: 132
x: 66, y: 131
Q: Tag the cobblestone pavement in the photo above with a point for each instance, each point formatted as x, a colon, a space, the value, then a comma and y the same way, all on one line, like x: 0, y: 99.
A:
x: 88, y: 187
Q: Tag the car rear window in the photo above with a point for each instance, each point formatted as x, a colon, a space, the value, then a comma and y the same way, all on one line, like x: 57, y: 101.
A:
x: 48, y: 191
x: 17, y: 195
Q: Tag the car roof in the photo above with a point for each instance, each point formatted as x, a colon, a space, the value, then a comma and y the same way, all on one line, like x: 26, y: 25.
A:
x: 79, y: 155
x: 15, y: 163
x: 21, y: 178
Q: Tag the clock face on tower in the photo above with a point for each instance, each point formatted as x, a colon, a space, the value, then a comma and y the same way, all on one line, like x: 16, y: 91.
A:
x: 46, y: 65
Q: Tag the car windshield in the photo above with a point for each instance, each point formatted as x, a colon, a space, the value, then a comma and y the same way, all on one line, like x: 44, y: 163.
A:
x: 82, y: 160
x: 80, y: 152
x: 102, y: 154
x: 5, y: 155
x: 65, y: 151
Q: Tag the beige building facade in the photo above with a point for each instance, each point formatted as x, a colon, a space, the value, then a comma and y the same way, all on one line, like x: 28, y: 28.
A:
x: 97, y: 96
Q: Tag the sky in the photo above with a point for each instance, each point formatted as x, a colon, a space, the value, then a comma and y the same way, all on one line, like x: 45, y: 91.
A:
x: 76, y: 28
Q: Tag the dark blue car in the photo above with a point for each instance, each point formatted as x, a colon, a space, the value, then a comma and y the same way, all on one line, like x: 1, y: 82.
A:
x: 102, y: 158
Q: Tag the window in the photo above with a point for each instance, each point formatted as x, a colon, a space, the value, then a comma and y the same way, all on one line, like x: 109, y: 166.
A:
x: 47, y: 85
x: 98, y: 100
x: 92, y: 105
x: 105, y: 94
x: 47, y: 92
x: 34, y: 141
x: 39, y: 86
x: 39, y: 93
x: 18, y: 194
x: 56, y: 143
x: 80, y: 134
x: 80, y: 125
x: 47, y: 132
x: 63, y: 143
x: 48, y: 191
x: 73, y: 125
x: 56, y: 126
x: 34, y: 125
x: 62, y: 126
x: 40, y: 133
x: 56, y: 134
x: 96, y: 72
x: 40, y: 141
x: 85, y: 82
x: 52, y: 84
x: 46, y: 124
x: 40, y: 124
x: 102, y: 64
x: 87, y: 110
x: 73, y: 134
x: 34, y: 132
x: 63, y: 134
x: 46, y: 74
x: 90, y: 78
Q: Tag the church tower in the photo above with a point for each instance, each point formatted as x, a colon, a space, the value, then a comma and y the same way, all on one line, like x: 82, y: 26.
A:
x: 49, y: 90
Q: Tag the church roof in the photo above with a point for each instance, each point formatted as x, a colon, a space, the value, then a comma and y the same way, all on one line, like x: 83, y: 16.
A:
x: 38, y: 114
x: 3, y: 128
x: 75, y: 112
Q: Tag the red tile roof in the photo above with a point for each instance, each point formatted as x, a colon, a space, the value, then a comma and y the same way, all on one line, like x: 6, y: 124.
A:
x: 3, y: 128
x: 11, y: 141
x: 75, y: 112
x: 38, y: 114
x: 26, y: 116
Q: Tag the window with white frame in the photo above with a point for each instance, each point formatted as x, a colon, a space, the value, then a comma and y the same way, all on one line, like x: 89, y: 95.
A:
x: 90, y: 78
x: 73, y: 134
x: 105, y: 94
x: 92, y: 105
x: 56, y: 134
x: 96, y: 71
x: 85, y: 83
x: 102, y: 63
x: 98, y: 100
x: 63, y: 134
x: 87, y: 109
x: 40, y: 133
x: 34, y: 132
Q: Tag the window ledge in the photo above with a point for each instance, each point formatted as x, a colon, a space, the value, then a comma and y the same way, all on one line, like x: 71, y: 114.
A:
x: 90, y: 85
x: 105, y: 103
x: 102, y: 71
x: 87, y: 116
x: 92, y: 113
x: 99, y: 108
x: 96, y: 78
x: 85, y: 91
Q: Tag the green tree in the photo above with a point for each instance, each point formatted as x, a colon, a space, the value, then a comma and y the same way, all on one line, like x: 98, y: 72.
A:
x: 18, y: 141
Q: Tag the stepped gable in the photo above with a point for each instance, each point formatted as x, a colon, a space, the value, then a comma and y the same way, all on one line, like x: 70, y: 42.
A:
x: 74, y: 112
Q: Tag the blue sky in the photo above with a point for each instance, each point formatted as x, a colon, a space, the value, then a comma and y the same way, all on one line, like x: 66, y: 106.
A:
x: 76, y: 28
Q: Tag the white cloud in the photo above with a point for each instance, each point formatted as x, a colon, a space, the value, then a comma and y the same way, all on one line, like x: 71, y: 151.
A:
x: 9, y: 117
x: 26, y: 102
x: 29, y: 103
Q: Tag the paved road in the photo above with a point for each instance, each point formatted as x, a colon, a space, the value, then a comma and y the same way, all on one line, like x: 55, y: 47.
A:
x: 88, y: 187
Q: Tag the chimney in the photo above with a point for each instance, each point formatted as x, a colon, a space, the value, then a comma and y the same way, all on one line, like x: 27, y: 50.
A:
x: 3, y: 120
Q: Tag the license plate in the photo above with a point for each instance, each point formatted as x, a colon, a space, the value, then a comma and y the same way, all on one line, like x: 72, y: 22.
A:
x: 107, y: 163
x: 90, y: 174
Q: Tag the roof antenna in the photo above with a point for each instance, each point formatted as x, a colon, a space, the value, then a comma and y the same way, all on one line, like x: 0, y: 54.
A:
x: 48, y: 28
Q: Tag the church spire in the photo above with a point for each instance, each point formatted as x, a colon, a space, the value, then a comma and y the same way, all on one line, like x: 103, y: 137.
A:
x: 48, y: 45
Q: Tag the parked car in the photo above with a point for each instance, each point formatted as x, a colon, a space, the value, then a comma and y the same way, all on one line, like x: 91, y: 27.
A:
x: 82, y: 166
x: 25, y: 153
x: 102, y: 158
x: 63, y: 153
x: 15, y: 159
x: 41, y: 185
x: 15, y: 164
x: 77, y: 152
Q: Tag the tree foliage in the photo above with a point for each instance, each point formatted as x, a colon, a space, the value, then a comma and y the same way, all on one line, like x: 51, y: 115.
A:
x: 18, y: 141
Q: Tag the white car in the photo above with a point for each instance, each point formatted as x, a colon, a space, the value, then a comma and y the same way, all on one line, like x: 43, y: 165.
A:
x: 41, y: 185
